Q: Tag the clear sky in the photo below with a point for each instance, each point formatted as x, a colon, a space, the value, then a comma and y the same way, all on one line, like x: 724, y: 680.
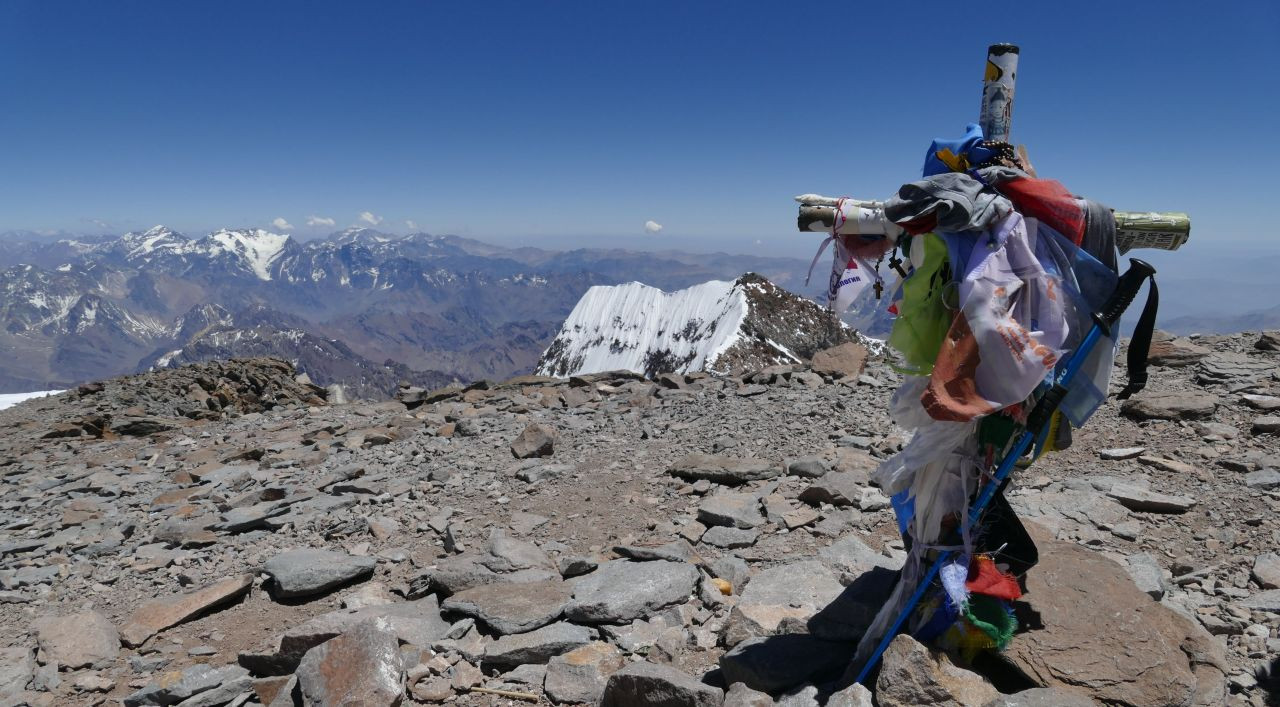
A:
x: 574, y: 123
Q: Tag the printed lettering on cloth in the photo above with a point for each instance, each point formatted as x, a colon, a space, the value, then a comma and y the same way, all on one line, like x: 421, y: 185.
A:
x: 1009, y: 334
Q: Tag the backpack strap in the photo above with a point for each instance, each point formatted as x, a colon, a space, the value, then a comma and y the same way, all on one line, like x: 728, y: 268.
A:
x: 1140, y: 344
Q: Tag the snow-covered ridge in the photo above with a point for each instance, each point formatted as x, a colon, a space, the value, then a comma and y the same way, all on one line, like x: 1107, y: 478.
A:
x: 640, y: 328
x: 8, y: 400
x: 257, y: 247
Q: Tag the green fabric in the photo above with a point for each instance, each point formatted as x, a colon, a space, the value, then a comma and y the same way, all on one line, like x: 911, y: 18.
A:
x: 989, y: 615
x: 923, y: 319
x: 996, y: 430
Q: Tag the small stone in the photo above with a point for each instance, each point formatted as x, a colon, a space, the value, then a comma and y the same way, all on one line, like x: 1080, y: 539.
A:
x: 856, y: 695
x: 1263, y: 479
x: 736, y: 510
x: 1266, y: 425
x: 1145, y: 571
x: 1121, y: 453
x: 739, y: 695
x: 730, y: 538
x: 307, y: 572
x: 808, y: 467
x: 844, y: 361
x: 1154, y: 405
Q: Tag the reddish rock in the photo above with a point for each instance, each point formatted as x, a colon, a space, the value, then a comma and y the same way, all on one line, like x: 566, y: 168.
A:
x: 362, y: 666
x: 159, y: 614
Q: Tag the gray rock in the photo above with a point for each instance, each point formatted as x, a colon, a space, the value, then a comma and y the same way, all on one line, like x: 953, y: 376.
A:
x: 779, y: 597
x: 1229, y: 367
x: 1136, y: 499
x: 178, y: 685
x: 645, y: 684
x: 854, y: 695
x: 1265, y: 425
x: 736, y: 510
x: 17, y: 665
x: 777, y: 663
x: 1122, y: 453
x: 732, y: 569
x: 80, y: 640
x: 1266, y: 570
x: 580, y: 675
x: 362, y: 666
x: 912, y: 675
x: 222, y: 694
x: 803, y: 696
x: 537, y: 646
x: 1266, y: 403
x: 723, y: 470
x: 1146, y: 573
x: 506, y: 554
x: 739, y: 695
x: 850, y: 557
x: 1167, y: 405
x: 1263, y: 479
x: 1042, y: 697
x: 808, y: 467
x: 512, y: 608
x: 535, y: 441
x: 576, y: 566
x: 620, y: 591
x: 675, y: 551
x: 306, y: 572
x: 1268, y: 601
x: 415, y: 622
x: 730, y: 538
x: 1215, y: 431
x: 838, y: 488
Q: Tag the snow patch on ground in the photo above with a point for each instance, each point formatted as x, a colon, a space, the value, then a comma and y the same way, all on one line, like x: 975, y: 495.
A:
x: 8, y: 400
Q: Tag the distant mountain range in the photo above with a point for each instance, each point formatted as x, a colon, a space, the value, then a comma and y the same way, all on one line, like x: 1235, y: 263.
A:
x: 361, y: 308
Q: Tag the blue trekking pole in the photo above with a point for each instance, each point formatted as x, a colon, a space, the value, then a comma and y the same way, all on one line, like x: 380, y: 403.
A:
x: 1126, y: 289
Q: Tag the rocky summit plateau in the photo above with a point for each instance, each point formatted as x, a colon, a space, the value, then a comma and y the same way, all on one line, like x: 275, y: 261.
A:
x: 225, y: 534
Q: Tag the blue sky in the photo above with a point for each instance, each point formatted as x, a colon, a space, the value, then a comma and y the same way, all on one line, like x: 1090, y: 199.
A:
x: 574, y: 123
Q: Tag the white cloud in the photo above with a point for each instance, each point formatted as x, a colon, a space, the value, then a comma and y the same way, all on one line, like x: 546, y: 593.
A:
x: 411, y: 224
x: 101, y: 224
x: 320, y: 221
x: 652, y: 226
x: 369, y: 218
x: 282, y: 224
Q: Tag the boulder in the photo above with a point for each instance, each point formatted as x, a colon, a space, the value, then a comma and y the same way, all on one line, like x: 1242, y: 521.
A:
x: 176, y: 686
x: 844, y: 361
x: 307, y: 572
x: 535, y: 441
x: 1098, y: 633
x: 1175, y: 353
x: 362, y: 666
x: 1266, y: 570
x: 645, y: 684
x: 1268, y: 341
x: 912, y: 675
x: 580, y: 675
x: 735, y: 510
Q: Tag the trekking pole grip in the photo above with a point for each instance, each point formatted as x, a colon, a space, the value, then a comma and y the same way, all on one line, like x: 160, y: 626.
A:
x: 1126, y: 289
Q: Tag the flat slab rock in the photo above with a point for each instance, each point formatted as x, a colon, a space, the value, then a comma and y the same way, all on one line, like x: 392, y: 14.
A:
x: 77, y: 640
x: 512, y: 608
x: 307, y: 572
x: 157, y: 615
x: 724, y: 470
x: 1136, y: 499
x: 1100, y: 634
x: 1155, y: 405
x: 620, y: 590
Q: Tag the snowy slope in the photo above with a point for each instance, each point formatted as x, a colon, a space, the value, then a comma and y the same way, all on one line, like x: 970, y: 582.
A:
x: 8, y: 400
x: 636, y: 327
x: 257, y: 248
x: 717, y: 326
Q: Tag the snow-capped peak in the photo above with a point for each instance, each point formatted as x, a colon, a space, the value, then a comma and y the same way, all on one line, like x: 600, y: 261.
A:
x: 258, y: 248
x: 151, y: 241
x: 641, y: 328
